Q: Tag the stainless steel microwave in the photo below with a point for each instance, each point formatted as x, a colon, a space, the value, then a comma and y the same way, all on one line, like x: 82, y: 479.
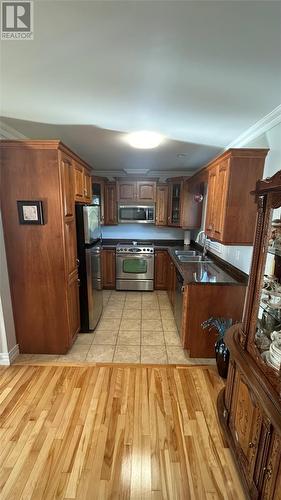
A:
x: 143, y: 214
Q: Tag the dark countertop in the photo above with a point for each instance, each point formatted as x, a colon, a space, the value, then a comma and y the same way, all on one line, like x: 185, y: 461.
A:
x: 216, y: 272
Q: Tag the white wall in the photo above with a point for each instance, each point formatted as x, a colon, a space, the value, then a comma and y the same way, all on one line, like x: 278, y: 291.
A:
x: 142, y: 231
x: 241, y: 256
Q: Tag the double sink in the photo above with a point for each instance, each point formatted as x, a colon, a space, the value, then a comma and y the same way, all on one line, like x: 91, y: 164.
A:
x: 190, y: 256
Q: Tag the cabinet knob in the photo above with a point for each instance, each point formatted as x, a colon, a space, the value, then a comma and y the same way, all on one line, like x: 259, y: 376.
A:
x: 252, y: 445
x: 78, y: 281
x: 77, y: 262
x: 268, y: 471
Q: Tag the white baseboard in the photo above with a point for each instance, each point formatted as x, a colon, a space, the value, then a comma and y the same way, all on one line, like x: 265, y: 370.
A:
x: 7, y: 358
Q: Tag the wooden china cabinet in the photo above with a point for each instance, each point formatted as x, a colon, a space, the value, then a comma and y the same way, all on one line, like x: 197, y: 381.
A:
x: 250, y: 406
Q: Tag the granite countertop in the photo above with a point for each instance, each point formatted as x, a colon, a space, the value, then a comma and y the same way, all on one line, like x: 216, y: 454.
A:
x: 202, y: 272
x: 216, y: 272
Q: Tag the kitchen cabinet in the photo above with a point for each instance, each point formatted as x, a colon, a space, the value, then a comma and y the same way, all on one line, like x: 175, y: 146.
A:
x: 44, y: 280
x: 110, y: 204
x: 133, y: 191
x: 82, y: 183
x: 192, y: 203
x: 175, y: 203
x: 231, y: 213
x: 249, y: 407
x: 160, y: 270
x: 205, y: 300
x: 108, y: 269
x: 146, y: 191
x: 171, y: 281
x: 98, y: 191
x: 161, y: 218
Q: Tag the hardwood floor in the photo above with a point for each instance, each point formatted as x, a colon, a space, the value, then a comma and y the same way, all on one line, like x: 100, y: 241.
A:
x: 100, y: 432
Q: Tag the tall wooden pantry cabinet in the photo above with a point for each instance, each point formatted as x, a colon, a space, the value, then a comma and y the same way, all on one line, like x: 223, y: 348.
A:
x: 42, y: 258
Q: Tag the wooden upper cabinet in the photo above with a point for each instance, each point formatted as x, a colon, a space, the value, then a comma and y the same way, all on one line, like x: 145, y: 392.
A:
x: 79, y: 181
x: 192, y: 205
x: 67, y: 175
x: 127, y: 191
x: 110, y: 204
x: 231, y: 209
x: 175, y: 203
x: 98, y: 190
x: 161, y: 205
x: 83, y: 183
x: 146, y: 191
x: 142, y: 191
x: 87, y: 187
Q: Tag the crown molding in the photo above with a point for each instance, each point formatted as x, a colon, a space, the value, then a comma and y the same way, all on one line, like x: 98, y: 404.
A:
x: 259, y: 128
x: 7, y: 132
x: 163, y: 174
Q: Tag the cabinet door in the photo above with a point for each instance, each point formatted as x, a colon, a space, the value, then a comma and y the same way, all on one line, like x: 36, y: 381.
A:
x: 271, y: 489
x: 67, y: 174
x: 127, y: 191
x: 160, y: 271
x: 162, y: 205
x: 146, y: 191
x: 171, y: 281
x: 70, y: 245
x: 192, y: 204
x: 87, y: 187
x: 110, y: 204
x: 245, y: 425
x: 73, y: 307
x: 175, y: 205
x: 211, y: 203
x: 79, y: 181
x: 108, y: 269
x: 220, y: 198
x: 98, y: 190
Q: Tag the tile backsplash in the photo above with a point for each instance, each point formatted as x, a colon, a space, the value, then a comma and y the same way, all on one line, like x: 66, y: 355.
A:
x: 142, y: 232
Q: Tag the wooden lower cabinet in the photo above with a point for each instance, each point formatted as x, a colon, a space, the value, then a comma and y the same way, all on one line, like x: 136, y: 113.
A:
x: 73, y: 306
x: 200, y: 301
x: 108, y: 269
x: 160, y: 270
x: 171, y: 281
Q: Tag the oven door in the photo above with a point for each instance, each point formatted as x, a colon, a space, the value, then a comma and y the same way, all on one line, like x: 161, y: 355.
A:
x: 135, y: 267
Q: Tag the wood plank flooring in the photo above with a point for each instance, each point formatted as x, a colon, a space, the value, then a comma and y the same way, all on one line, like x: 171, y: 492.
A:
x: 106, y: 432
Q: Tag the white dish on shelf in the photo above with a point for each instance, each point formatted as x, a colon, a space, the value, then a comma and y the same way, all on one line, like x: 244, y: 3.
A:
x: 267, y: 359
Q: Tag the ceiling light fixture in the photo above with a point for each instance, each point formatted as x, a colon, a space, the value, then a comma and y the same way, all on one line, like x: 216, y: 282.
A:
x: 144, y: 139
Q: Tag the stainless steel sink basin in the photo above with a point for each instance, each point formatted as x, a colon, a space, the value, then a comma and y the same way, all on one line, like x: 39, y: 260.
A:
x: 191, y: 258
x: 187, y: 253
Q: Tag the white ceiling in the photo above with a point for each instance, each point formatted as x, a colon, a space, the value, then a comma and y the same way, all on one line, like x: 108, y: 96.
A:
x: 199, y: 72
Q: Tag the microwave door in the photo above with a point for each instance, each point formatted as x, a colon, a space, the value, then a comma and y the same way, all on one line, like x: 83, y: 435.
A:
x: 92, y: 228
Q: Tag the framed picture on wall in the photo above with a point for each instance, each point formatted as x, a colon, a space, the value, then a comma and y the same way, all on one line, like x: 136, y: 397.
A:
x: 30, y: 212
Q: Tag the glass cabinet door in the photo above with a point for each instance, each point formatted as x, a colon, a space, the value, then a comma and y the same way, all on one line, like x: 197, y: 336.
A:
x: 265, y: 327
x: 175, y: 203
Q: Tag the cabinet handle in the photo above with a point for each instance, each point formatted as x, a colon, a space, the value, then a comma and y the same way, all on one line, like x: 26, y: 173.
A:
x: 268, y: 471
x: 77, y: 262
x: 252, y: 445
x: 78, y: 281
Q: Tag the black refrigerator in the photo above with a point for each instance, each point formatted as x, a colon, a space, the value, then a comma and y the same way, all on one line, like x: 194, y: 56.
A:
x: 89, y: 267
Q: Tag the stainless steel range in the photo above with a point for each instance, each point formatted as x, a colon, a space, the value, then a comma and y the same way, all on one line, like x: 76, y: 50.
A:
x: 135, y: 266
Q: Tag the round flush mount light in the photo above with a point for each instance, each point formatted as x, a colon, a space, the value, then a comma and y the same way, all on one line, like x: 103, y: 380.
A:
x: 144, y: 139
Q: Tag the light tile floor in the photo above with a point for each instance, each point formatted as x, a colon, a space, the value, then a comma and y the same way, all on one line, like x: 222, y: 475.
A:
x: 135, y: 327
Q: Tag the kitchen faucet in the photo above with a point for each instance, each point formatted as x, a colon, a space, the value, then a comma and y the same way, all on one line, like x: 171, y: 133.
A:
x: 204, y: 242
